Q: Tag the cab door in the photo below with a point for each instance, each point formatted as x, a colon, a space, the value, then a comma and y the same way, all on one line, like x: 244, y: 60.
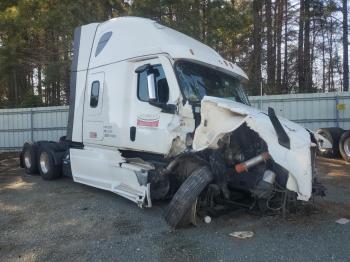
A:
x: 93, y: 107
x: 150, y: 126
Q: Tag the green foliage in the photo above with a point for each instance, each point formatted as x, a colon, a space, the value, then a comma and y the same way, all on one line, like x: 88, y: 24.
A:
x: 36, y: 39
x: 31, y: 100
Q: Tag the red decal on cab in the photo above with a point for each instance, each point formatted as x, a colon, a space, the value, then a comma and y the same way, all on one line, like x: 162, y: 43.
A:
x: 148, y: 123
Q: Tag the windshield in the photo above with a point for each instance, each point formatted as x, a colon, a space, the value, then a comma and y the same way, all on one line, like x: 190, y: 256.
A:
x: 197, y: 81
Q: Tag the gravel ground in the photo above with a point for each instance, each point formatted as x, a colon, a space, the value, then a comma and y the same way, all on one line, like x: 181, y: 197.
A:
x: 65, y: 221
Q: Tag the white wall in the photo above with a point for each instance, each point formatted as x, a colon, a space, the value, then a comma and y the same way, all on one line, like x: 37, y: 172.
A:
x: 49, y: 123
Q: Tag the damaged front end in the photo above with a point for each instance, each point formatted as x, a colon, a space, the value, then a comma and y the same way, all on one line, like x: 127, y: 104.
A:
x: 240, y: 133
x: 254, y: 160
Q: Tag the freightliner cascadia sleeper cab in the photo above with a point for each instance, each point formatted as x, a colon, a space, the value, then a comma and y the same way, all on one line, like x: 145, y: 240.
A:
x: 155, y: 114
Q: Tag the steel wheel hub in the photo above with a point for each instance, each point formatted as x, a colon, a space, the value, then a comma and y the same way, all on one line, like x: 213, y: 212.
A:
x: 347, y: 146
x: 27, y: 160
x: 44, y: 162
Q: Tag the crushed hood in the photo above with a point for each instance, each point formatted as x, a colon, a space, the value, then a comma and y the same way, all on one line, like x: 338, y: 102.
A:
x: 220, y: 116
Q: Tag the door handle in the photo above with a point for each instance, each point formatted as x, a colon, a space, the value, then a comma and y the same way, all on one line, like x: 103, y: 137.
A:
x: 133, y: 133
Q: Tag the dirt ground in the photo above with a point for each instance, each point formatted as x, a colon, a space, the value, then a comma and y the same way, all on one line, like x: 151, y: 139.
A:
x: 65, y: 221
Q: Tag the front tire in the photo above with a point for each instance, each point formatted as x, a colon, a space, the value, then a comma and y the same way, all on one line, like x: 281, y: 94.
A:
x: 186, y: 195
x: 46, y: 165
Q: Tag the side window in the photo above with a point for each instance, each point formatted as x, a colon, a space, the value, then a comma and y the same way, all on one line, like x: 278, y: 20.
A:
x: 95, y: 90
x: 162, y: 88
x: 102, y: 42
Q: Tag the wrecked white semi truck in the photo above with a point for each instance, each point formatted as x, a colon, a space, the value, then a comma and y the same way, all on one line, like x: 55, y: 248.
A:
x: 155, y: 114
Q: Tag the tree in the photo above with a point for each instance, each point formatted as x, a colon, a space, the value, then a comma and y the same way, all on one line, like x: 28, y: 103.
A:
x: 279, y: 26
x: 345, y: 47
x: 307, y: 85
x: 301, y: 77
x: 271, y: 57
x: 285, y: 59
x: 255, y: 61
x: 299, y: 46
x: 36, y: 43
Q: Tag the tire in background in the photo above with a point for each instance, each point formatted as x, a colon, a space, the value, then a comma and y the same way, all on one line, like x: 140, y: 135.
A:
x: 186, y: 195
x: 333, y: 135
x: 29, y: 158
x: 344, y: 146
x: 66, y: 166
x: 62, y: 139
x: 46, y: 165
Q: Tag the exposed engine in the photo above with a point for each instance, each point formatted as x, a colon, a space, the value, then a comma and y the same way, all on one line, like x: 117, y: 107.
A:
x: 244, y: 171
x: 244, y: 175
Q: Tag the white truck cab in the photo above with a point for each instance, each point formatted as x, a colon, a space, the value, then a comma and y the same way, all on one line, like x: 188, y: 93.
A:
x: 155, y: 114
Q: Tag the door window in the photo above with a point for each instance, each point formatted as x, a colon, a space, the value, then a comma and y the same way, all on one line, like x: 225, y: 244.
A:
x: 161, y: 84
x: 95, y: 91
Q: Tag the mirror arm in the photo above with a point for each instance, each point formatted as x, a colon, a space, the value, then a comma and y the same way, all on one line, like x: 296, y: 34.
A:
x: 166, y: 108
x: 169, y: 109
x: 142, y: 68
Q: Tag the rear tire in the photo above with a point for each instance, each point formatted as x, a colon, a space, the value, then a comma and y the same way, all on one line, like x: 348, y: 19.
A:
x: 29, y: 158
x: 186, y: 195
x: 332, y: 134
x: 46, y: 165
x: 344, y: 146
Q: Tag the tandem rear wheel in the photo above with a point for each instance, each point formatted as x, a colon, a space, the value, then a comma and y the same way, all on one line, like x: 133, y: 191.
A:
x: 46, y: 165
x: 28, y: 158
x: 344, y: 146
x: 44, y: 158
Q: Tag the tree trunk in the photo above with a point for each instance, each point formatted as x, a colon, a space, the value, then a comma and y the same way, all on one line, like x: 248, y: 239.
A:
x: 271, y: 61
x: 338, y: 67
x: 255, y: 61
x: 345, y: 47
x: 301, y: 48
x: 279, y: 25
x: 285, y: 59
x: 39, y: 82
x: 66, y: 69
x: 331, y: 62
x: 323, y: 57
x: 307, y: 59
x: 205, y: 21
x: 15, y: 86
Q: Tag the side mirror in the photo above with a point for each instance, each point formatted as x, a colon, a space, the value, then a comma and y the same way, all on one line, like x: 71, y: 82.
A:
x: 151, y: 85
x: 151, y: 79
x: 157, y: 96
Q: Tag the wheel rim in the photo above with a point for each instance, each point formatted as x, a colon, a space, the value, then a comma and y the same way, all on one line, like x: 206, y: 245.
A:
x: 27, y: 160
x: 325, y: 150
x: 44, y: 162
x: 347, y: 146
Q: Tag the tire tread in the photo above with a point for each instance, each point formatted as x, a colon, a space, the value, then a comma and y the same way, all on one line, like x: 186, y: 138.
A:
x: 187, y: 194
